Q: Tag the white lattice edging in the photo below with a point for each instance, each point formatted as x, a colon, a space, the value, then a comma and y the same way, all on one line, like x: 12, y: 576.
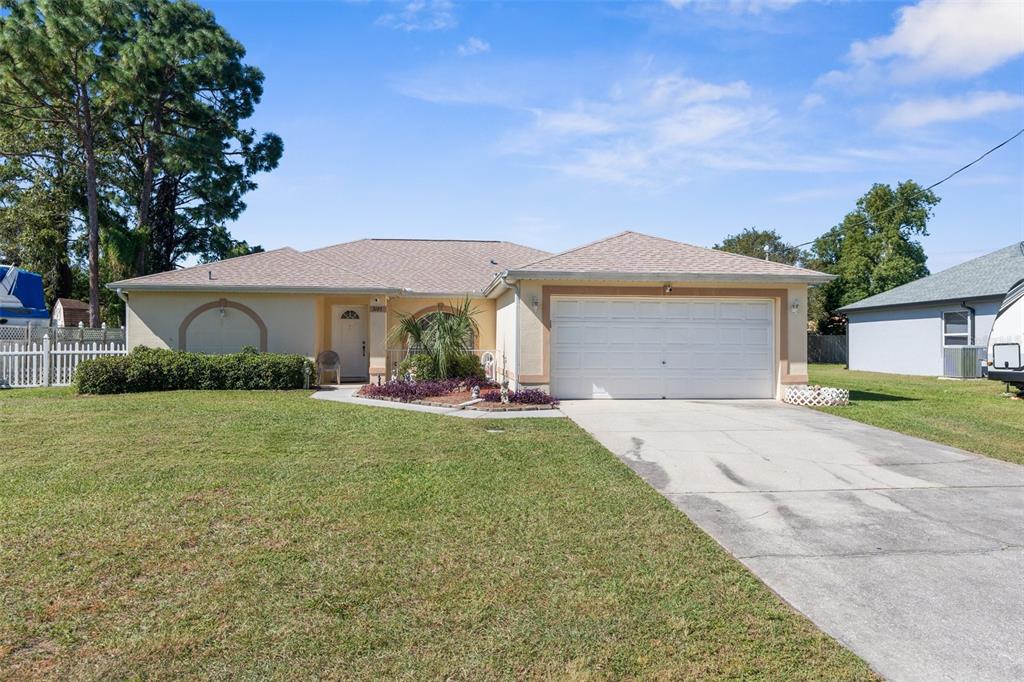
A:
x: 816, y: 396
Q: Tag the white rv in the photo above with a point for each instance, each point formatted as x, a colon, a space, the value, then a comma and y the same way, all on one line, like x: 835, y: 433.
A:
x: 1006, y: 341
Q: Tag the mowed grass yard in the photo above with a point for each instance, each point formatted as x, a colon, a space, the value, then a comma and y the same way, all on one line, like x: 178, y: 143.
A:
x: 267, y: 535
x: 972, y: 415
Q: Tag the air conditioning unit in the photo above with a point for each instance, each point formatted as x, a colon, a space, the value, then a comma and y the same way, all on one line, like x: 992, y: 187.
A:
x: 963, y: 362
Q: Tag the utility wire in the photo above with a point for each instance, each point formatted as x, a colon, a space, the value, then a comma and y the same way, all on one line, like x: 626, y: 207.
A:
x: 956, y: 172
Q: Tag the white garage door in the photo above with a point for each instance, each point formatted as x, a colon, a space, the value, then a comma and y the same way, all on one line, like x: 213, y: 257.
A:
x: 662, y: 348
x: 224, y: 330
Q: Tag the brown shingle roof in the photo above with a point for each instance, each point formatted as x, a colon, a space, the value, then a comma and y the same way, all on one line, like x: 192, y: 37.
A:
x: 72, y: 304
x: 632, y: 253
x: 440, y: 266
x: 281, y: 269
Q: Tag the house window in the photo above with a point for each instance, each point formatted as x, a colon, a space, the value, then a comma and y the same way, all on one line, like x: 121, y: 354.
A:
x: 956, y: 328
x: 350, y: 315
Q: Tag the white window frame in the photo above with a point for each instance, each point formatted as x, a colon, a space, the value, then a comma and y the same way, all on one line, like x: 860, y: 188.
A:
x: 966, y: 335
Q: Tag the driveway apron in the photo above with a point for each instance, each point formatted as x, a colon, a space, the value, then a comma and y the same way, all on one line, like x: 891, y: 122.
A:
x: 908, y: 552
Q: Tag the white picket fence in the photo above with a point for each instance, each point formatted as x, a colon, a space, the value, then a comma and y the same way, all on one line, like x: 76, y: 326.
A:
x: 48, y: 363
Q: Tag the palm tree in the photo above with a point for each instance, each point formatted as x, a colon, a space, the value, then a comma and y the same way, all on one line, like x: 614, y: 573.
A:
x: 446, y: 336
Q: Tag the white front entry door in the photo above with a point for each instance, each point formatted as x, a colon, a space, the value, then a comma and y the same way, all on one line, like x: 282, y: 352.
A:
x: 348, y: 339
x: 684, y: 348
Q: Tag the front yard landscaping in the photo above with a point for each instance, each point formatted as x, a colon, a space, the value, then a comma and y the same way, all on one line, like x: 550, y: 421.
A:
x: 972, y: 415
x: 267, y: 535
x: 483, y: 394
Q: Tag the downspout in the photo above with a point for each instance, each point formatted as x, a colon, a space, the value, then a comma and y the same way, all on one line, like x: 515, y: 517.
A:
x: 518, y: 298
x: 515, y: 288
x: 124, y: 297
x: 970, y: 339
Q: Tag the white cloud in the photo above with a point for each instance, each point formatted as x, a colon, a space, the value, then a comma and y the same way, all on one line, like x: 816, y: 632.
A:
x: 645, y: 129
x: 940, y: 39
x: 812, y: 101
x: 473, y: 46
x: 921, y: 112
x: 421, y: 15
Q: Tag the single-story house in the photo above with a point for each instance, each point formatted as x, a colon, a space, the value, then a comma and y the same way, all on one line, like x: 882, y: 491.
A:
x: 68, y: 312
x: 907, y: 329
x: 630, y: 316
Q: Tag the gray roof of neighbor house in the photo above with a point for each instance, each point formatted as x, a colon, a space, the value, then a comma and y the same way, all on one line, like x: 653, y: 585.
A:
x: 631, y: 255
x: 989, y: 275
x: 430, y: 266
x: 282, y: 269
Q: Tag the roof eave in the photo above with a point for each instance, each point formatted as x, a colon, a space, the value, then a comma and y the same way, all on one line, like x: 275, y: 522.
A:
x: 809, y: 278
x: 127, y: 285
x: 854, y: 308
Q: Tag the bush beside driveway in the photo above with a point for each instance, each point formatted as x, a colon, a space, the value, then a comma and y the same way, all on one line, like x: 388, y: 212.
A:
x: 266, y: 535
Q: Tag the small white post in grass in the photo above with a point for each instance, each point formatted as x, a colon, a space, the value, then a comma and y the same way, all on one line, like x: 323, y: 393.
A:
x: 46, y: 359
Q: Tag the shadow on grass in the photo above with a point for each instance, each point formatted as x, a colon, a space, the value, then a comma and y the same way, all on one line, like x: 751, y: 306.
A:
x: 878, y: 397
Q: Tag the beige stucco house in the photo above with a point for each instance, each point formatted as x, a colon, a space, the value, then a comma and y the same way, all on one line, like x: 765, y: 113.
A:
x: 630, y: 316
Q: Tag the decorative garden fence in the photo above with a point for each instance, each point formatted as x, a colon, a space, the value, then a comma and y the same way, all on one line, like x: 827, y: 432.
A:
x: 48, y: 363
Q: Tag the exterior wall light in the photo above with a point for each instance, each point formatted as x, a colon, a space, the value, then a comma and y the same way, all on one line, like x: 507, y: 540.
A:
x: 795, y: 305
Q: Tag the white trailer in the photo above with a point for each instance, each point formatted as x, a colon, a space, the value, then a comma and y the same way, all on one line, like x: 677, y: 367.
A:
x: 1006, y: 341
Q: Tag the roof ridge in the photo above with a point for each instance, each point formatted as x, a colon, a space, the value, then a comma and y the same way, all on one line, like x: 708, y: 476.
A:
x: 216, y: 262
x: 322, y: 259
x: 673, y: 242
x: 573, y: 250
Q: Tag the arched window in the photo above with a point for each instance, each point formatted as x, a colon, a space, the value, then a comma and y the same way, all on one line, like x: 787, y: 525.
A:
x: 350, y: 315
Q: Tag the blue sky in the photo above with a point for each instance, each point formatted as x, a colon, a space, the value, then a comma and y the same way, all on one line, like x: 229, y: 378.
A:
x: 553, y: 124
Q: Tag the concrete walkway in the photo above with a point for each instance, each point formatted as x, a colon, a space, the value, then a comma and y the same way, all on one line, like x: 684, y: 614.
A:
x: 346, y: 394
x: 908, y: 552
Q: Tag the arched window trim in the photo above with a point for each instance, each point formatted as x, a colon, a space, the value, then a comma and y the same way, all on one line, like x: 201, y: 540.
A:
x: 221, y: 303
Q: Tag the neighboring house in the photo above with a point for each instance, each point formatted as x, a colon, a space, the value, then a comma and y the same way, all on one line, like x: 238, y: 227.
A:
x: 630, y: 316
x: 904, y: 330
x: 68, y: 312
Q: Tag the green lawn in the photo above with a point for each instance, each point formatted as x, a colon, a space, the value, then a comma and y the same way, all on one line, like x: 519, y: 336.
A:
x: 267, y: 535
x: 972, y: 415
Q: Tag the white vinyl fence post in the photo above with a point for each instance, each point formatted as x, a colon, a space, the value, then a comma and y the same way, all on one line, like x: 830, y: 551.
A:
x: 46, y: 359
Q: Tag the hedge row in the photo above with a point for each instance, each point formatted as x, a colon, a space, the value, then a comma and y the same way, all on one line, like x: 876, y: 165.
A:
x: 148, y: 369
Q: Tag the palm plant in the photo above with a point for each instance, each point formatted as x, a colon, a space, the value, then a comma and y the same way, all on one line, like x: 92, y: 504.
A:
x: 446, y: 336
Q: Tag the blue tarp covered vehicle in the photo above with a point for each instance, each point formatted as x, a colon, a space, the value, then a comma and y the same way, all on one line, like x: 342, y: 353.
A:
x: 21, y: 297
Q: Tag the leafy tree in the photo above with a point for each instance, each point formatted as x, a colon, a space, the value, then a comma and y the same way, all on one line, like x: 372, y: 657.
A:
x: 122, y: 119
x: 184, y: 159
x: 55, y: 59
x: 759, y: 243
x: 872, y: 250
x: 40, y: 197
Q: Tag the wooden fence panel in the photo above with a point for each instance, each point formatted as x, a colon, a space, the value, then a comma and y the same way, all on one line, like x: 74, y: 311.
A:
x: 828, y: 348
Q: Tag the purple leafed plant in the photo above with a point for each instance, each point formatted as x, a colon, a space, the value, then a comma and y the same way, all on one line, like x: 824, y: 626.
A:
x: 527, y: 396
x: 407, y: 390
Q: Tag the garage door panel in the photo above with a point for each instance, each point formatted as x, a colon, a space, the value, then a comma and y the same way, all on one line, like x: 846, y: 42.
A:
x: 704, y: 311
x: 566, y: 360
x: 561, y: 308
x: 653, y: 348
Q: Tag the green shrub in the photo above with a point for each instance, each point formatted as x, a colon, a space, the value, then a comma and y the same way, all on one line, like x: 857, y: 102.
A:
x: 467, y: 366
x: 421, y: 365
x: 148, y: 369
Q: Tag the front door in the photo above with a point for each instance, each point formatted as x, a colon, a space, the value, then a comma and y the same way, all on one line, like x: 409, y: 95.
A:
x: 348, y: 337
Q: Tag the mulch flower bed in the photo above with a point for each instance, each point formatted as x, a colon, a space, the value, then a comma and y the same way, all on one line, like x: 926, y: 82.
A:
x: 457, y: 392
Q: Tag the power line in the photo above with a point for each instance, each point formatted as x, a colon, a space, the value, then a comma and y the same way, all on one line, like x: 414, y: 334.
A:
x: 954, y: 173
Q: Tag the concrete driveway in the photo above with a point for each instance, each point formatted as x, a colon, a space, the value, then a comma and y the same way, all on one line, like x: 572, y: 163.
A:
x: 909, y: 553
